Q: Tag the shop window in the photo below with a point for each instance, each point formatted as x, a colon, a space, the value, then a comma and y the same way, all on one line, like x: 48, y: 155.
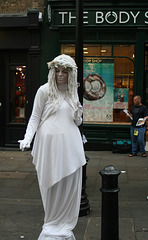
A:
x: 97, y: 50
x: 17, y: 94
x: 123, y: 88
x: 88, y: 50
x: 108, y: 81
x: 124, y: 50
x: 68, y: 49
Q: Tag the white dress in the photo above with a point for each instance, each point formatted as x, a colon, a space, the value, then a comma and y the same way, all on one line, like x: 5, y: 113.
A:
x: 58, y: 156
x: 61, y: 205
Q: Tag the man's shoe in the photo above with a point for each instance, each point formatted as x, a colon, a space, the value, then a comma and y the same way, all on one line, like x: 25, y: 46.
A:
x: 143, y: 154
x: 132, y: 155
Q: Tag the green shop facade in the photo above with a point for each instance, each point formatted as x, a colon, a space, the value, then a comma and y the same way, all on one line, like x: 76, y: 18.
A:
x: 115, y: 64
x: 115, y: 38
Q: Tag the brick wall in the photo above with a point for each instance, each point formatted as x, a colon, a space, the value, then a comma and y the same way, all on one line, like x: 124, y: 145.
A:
x: 20, y: 6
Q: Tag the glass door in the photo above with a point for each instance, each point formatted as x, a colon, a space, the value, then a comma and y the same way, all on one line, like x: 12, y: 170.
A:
x: 15, y: 96
x: 17, y: 92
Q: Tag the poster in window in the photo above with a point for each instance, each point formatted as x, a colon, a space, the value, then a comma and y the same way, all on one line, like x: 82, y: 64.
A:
x: 98, y: 90
x: 121, y: 98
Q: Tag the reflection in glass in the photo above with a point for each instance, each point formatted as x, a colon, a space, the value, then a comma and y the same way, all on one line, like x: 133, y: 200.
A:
x: 17, y: 94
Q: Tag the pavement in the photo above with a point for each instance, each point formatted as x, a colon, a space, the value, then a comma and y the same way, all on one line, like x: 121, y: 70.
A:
x: 21, y: 211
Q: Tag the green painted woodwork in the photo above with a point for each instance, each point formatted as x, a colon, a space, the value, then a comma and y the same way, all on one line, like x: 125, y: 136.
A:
x: 51, y: 38
x: 106, y: 132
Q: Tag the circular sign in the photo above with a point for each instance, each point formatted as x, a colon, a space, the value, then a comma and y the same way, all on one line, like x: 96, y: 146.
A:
x: 94, y: 87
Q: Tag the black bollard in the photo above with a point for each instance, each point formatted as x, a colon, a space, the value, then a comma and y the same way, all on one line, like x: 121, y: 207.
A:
x: 109, y: 212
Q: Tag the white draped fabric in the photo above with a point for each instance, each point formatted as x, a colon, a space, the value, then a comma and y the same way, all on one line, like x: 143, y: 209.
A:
x: 61, y: 205
x: 58, y: 156
x: 58, y: 147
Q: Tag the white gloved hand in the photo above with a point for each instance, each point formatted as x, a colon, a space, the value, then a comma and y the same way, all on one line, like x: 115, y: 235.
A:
x: 77, y: 118
x: 77, y: 115
x: 24, y: 144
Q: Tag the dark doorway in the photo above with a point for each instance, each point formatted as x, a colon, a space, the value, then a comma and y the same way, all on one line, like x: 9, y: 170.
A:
x: 13, y: 68
x: 3, y: 55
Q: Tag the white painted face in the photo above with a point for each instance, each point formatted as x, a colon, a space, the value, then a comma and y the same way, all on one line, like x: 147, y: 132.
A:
x: 61, y: 74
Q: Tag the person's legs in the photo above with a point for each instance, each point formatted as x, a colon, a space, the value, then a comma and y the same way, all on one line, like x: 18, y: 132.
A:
x: 134, y: 141
x: 141, y: 139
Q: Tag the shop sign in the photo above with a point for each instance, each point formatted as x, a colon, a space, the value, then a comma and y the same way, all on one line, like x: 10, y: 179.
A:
x: 99, y: 17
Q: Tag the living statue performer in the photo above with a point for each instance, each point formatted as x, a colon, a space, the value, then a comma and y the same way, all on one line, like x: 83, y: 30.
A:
x: 58, y: 153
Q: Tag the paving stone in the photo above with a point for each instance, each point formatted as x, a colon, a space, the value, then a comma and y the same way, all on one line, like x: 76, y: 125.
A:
x: 21, y: 206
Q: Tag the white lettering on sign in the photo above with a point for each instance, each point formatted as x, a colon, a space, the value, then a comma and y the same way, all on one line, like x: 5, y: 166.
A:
x: 85, y: 17
x: 63, y: 16
x: 70, y: 17
x: 126, y: 15
x: 135, y: 16
x: 146, y: 15
x: 110, y: 17
x: 99, y: 17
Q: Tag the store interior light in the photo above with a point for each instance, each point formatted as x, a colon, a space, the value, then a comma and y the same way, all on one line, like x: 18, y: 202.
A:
x: 85, y: 48
x: 132, y: 72
x: 85, y: 52
x: 103, y: 50
x: 19, y: 69
x: 133, y: 55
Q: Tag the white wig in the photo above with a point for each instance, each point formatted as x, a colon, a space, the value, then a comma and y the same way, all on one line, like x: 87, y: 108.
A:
x: 67, y: 62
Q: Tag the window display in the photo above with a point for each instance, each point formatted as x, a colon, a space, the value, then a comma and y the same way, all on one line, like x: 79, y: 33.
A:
x: 108, y: 82
x: 17, y: 94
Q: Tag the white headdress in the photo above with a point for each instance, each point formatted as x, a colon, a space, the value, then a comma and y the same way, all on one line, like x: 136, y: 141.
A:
x: 67, y: 62
x: 64, y: 61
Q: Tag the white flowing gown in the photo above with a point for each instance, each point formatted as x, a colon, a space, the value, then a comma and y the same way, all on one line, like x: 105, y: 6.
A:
x: 58, y: 156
